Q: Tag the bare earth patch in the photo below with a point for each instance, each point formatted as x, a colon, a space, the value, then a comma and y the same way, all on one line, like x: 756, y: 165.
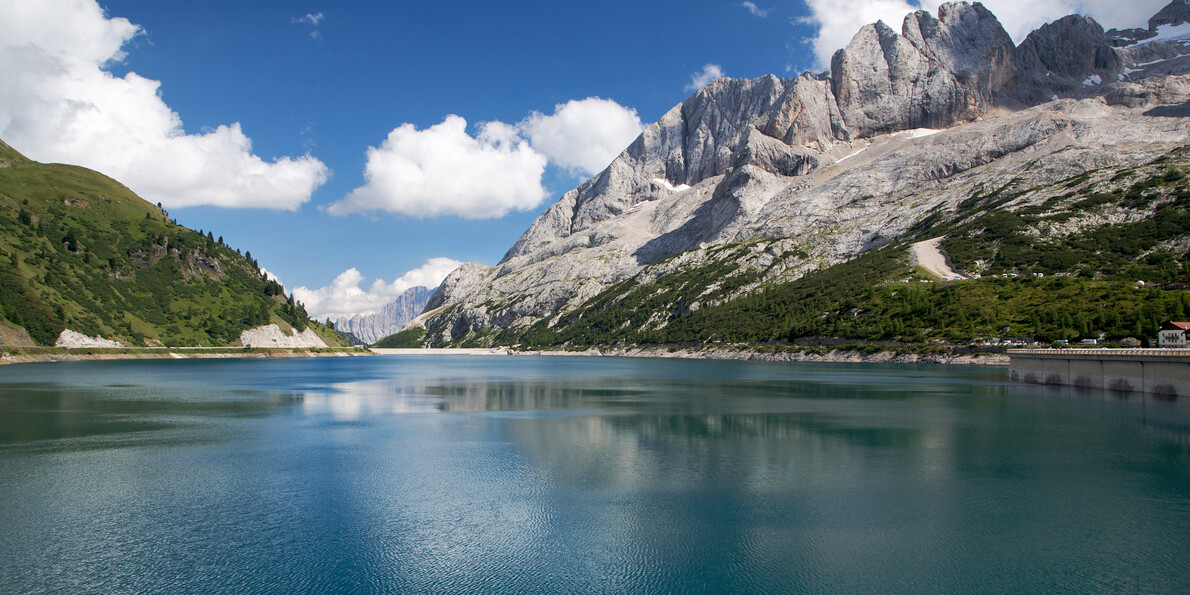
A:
x: 929, y: 255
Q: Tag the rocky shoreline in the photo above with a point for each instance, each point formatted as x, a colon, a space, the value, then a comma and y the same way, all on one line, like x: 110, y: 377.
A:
x: 21, y: 357
x: 718, y: 353
x: 833, y: 355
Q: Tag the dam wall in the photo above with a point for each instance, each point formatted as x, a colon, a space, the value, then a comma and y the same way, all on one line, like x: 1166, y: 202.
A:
x: 1163, y: 372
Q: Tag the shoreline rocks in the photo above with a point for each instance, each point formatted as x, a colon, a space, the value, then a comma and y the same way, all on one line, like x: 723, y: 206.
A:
x: 831, y: 356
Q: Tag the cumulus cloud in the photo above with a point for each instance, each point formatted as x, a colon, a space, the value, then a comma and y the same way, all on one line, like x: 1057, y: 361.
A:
x: 343, y: 298
x: 709, y: 73
x: 755, y: 10
x: 838, y: 20
x: 584, y: 135
x: 57, y: 103
x: 443, y: 170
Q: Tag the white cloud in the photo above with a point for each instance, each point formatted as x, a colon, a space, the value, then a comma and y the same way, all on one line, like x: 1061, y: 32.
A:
x: 442, y: 170
x: 709, y: 73
x: 584, y: 135
x: 755, y: 10
x: 838, y: 20
x: 343, y: 298
x: 57, y: 103
x: 312, y: 19
x: 1122, y: 15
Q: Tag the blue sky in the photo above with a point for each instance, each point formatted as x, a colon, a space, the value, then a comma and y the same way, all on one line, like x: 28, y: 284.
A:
x: 313, y: 86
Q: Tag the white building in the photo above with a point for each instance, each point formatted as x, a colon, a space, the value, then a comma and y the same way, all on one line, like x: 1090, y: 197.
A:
x: 1173, y: 334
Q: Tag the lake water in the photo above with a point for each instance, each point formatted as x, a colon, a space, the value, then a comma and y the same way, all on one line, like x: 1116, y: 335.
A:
x: 428, y: 474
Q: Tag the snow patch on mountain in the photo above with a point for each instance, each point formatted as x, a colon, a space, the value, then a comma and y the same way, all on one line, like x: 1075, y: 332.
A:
x: 1170, y: 33
x: 664, y: 183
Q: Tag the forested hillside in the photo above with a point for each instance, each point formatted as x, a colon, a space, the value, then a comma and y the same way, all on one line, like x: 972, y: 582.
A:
x: 79, y: 250
x: 1059, y: 261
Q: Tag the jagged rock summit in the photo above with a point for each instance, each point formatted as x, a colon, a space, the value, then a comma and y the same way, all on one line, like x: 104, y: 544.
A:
x: 936, y: 73
x: 821, y: 167
x: 1175, y: 13
x: 392, y: 318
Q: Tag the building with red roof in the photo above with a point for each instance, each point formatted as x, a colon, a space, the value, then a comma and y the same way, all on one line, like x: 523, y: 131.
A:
x: 1174, y: 334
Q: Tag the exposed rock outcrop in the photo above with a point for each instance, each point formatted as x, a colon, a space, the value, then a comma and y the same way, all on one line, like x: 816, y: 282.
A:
x: 197, y: 264
x: 1174, y: 13
x: 1063, y: 57
x: 76, y: 340
x: 272, y: 336
x: 936, y: 73
x: 819, y: 168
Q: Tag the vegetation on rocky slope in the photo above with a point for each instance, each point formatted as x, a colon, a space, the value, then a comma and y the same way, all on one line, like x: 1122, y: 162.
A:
x: 79, y: 250
x: 1054, y: 262
x: 406, y: 339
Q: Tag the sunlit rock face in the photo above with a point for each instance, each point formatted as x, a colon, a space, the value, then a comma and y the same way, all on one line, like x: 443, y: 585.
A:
x: 272, y: 336
x: 821, y: 167
x: 391, y: 319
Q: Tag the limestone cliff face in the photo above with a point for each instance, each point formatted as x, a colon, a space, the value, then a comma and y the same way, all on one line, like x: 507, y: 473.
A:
x: 826, y: 166
x: 390, y: 319
x: 1064, y: 57
x: 936, y: 73
x: 694, y: 141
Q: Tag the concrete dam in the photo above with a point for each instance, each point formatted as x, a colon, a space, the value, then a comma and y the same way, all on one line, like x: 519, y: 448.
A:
x: 1161, y: 372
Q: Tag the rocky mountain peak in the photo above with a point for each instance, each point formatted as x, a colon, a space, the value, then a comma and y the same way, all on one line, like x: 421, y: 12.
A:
x: 1072, y: 47
x: 970, y: 42
x: 716, y: 117
x: 937, y: 72
x: 392, y: 318
x: 1174, y: 13
x: 836, y: 163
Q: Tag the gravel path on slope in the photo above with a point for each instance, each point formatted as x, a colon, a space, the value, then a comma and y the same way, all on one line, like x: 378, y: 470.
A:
x: 928, y: 254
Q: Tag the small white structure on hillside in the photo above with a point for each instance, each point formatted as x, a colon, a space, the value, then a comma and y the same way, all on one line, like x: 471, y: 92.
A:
x: 1173, y: 334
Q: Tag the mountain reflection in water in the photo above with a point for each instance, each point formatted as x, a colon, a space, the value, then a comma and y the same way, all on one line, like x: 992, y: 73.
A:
x: 534, y: 474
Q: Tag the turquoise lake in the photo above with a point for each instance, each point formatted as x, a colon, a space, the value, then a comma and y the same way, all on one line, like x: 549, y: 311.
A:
x: 452, y: 474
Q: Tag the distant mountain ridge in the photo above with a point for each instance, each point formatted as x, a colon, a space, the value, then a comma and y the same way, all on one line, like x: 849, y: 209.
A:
x: 817, y: 169
x: 391, y: 319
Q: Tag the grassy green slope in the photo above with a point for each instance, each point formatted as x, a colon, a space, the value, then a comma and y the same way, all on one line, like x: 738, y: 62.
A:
x: 405, y: 339
x: 79, y: 250
x: 1090, y: 238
